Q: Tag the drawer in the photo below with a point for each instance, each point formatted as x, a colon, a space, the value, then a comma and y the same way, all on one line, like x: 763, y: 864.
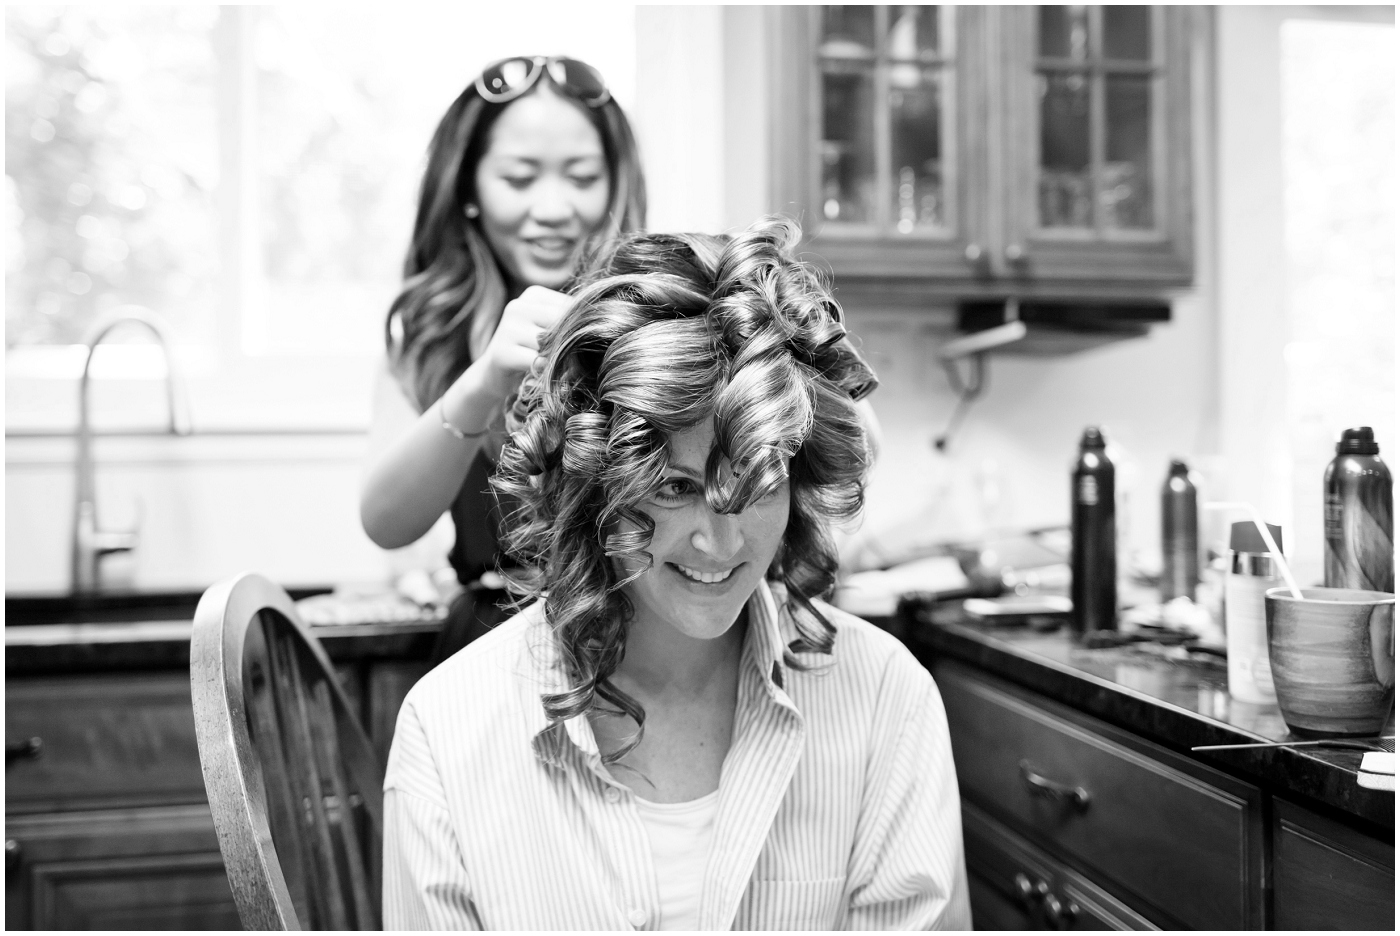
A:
x: 1180, y: 841
x: 1016, y: 886
x: 112, y: 740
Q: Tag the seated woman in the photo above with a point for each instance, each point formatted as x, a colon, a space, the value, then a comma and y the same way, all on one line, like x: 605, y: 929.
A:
x: 678, y: 733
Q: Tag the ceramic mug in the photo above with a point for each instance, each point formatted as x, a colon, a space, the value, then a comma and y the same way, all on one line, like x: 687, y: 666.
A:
x: 1333, y: 658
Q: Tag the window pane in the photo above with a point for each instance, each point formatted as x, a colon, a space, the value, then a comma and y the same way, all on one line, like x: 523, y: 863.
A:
x: 338, y: 161
x: 1126, y: 195
x: 1064, y: 32
x: 111, y: 162
x: 913, y: 32
x: 1065, y: 175
x: 847, y: 148
x: 848, y: 31
x: 916, y: 149
x: 1127, y: 33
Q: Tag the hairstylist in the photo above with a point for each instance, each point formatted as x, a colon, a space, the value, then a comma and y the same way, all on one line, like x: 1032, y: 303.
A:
x: 530, y: 165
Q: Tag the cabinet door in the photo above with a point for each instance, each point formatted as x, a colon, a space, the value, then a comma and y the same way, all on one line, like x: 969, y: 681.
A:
x: 1097, y: 107
x: 155, y: 868
x: 1329, y: 876
x: 877, y: 142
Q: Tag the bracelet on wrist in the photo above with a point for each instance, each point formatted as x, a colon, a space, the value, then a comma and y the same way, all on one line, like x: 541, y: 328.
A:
x: 453, y: 430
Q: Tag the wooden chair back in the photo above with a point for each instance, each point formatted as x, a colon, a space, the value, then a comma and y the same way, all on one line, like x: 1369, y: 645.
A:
x: 293, y: 781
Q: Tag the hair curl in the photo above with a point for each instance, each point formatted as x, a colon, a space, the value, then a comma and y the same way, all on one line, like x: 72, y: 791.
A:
x: 454, y: 287
x: 668, y: 330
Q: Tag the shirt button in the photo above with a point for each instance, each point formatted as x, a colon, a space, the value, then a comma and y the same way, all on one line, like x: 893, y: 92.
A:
x: 613, y: 795
x: 637, y: 917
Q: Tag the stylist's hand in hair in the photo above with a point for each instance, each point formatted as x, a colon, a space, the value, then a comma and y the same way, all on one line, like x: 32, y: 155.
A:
x: 516, y: 343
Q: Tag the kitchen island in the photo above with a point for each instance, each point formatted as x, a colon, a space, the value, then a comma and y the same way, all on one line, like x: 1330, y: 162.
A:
x: 1083, y: 804
x: 1085, y: 807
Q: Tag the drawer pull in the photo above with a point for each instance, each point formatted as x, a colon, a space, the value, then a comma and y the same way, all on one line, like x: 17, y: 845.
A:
x: 13, y: 853
x: 28, y: 749
x: 1044, y: 786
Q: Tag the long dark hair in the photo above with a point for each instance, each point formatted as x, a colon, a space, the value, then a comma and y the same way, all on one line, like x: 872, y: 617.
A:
x: 453, y: 283
x: 668, y: 331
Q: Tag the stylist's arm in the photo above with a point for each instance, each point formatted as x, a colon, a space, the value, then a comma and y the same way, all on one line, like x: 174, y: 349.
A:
x: 416, y: 463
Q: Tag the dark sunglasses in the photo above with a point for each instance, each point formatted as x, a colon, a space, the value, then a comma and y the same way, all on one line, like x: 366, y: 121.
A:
x: 509, y: 78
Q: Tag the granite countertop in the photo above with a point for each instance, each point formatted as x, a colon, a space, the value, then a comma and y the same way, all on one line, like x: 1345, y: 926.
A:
x: 350, y: 628
x: 1167, y: 695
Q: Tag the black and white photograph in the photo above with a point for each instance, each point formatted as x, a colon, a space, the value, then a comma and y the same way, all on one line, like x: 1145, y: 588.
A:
x: 604, y: 466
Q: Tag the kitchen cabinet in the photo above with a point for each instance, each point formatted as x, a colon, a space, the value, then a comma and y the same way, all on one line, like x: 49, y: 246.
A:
x: 1180, y: 845
x: 1084, y: 806
x: 977, y: 151
x: 107, y: 824
x: 1328, y: 875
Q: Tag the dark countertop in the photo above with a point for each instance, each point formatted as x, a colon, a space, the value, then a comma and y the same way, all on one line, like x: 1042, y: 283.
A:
x: 1166, y: 695
x: 156, y: 635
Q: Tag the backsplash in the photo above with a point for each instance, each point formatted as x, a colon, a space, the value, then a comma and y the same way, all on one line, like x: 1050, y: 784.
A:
x: 1007, y: 465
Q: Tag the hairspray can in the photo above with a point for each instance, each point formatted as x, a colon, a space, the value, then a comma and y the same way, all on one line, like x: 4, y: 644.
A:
x: 1357, y: 506
x: 1181, y: 564
x: 1093, y: 554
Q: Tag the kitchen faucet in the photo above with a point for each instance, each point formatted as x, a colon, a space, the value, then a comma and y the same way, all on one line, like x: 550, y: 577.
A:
x: 90, y: 543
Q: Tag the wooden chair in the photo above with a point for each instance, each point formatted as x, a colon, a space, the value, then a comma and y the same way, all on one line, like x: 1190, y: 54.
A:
x: 293, y: 782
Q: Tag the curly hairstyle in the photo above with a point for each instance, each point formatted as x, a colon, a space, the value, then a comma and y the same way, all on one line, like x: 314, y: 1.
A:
x: 454, y: 288
x: 668, y: 330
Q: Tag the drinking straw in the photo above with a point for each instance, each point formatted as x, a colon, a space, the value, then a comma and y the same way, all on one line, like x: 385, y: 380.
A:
x: 1263, y: 529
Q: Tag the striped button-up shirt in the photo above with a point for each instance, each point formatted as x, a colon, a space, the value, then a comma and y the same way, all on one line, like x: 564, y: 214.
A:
x: 838, y: 805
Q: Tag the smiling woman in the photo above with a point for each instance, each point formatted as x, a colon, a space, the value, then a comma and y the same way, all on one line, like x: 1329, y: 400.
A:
x: 679, y: 733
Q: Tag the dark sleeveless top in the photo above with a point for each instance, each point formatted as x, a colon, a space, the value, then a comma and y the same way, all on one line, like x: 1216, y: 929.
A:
x: 476, y: 515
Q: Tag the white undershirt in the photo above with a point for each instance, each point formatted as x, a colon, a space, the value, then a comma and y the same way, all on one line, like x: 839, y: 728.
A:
x: 680, y: 836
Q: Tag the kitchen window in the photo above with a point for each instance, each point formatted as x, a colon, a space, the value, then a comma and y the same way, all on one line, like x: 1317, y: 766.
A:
x: 250, y: 174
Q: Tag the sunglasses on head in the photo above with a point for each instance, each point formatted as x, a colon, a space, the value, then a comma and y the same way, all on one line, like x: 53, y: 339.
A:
x: 511, y: 77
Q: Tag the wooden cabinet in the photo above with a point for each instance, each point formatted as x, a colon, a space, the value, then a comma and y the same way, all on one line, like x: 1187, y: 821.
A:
x: 1072, y: 823
x: 107, y: 824
x: 988, y: 151
x: 152, y: 868
x: 1178, y: 844
x: 1328, y: 875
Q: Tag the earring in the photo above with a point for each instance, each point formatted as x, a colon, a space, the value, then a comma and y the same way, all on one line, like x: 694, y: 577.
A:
x: 472, y: 211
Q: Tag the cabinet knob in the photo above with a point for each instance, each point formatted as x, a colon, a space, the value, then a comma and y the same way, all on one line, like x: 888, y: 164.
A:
x: 974, y: 254
x: 1015, y: 253
x: 1028, y: 892
x: 1059, y: 913
x: 28, y: 749
x: 13, y: 853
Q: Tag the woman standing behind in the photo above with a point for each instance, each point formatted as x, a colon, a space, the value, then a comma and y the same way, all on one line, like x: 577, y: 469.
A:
x: 530, y: 165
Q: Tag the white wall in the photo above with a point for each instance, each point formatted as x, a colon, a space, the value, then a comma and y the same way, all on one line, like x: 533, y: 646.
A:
x: 287, y: 505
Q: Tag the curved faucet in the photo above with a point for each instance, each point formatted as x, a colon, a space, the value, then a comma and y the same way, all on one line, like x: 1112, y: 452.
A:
x: 90, y: 543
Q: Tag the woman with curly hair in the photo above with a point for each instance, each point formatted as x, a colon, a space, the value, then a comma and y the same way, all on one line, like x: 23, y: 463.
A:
x: 677, y: 732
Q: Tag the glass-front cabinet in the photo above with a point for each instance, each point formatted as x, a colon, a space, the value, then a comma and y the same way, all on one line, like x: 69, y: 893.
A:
x: 980, y: 150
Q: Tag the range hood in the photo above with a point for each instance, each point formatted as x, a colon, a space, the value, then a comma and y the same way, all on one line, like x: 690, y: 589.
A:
x: 1049, y: 326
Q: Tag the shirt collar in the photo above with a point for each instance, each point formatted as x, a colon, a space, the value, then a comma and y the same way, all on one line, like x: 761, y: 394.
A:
x: 542, y: 664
